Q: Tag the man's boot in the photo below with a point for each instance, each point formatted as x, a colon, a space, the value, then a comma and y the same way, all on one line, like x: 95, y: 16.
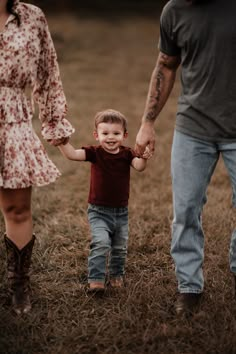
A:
x: 18, y: 265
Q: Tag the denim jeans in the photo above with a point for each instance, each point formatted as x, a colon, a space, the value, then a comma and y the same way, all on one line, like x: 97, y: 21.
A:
x: 193, y: 162
x: 109, y: 231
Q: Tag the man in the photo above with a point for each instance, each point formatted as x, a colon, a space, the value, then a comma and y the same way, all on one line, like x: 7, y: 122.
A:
x: 201, y: 36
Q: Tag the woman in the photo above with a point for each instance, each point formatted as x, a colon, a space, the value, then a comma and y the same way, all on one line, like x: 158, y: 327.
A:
x: 27, y: 59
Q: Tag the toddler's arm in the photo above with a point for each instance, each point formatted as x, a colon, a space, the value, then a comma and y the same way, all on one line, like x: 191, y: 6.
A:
x: 140, y: 163
x: 71, y: 153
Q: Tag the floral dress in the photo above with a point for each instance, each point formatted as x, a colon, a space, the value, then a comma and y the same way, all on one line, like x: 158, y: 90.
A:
x: 28, y: 60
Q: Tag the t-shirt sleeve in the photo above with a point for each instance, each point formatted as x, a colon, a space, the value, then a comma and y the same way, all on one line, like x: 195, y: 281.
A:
x: 167, y: 40
x: 90, y: 153
x: 131, y: 155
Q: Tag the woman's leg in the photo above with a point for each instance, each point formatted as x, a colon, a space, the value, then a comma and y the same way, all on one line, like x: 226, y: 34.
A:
x: 19, y: 241
x: 15, y: 205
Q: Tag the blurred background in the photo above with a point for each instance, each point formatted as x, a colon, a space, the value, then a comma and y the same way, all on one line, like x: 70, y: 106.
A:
x: 99, y: 5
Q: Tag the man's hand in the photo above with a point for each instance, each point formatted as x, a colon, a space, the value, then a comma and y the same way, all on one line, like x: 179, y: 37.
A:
x: 145, y: 138
x: 60, y: 141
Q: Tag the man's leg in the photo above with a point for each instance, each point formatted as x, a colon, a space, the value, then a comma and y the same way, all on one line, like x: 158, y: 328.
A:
x: 229, y: 156
x: 192, y: 164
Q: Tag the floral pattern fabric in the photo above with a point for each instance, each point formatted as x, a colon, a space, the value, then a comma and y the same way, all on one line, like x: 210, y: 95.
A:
x: 28, y: 60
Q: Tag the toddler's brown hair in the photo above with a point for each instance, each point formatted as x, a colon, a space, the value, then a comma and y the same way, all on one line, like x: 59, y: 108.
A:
x: 110, y: 116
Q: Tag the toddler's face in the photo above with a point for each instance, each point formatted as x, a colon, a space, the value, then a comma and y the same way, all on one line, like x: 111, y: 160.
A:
x: 110, y: 136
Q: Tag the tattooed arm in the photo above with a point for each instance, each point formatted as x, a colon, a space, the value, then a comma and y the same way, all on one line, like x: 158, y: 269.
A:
x: 161, y: 84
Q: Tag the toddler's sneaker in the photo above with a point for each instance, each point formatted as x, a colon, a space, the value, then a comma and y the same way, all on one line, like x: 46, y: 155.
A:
x: 117, y: 282
x: 96, y: 286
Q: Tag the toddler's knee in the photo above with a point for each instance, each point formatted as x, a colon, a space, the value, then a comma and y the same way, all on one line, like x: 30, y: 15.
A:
x: 100, y: 245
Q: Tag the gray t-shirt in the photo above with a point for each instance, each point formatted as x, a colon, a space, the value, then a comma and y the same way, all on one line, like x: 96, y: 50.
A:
x: 204, y: 35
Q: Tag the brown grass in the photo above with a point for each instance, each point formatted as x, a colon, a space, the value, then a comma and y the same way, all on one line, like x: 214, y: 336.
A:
x: 106, y: 61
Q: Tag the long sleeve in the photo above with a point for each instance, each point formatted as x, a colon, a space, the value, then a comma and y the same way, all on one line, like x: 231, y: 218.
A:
x: 48, y: 91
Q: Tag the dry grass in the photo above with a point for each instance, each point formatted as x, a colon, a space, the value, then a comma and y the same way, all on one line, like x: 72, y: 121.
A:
x: 106, y: 61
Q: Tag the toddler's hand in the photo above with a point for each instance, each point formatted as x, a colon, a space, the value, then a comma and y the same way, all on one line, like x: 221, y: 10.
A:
x: 60, y: 141
x: 147, y: 153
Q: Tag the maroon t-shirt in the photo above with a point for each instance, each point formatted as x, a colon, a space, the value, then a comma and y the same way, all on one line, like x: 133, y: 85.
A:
x: 110, y: 176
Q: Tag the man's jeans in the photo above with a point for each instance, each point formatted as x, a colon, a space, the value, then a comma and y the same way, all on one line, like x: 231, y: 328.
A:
x: 109, y: 231
x: 193, y: 162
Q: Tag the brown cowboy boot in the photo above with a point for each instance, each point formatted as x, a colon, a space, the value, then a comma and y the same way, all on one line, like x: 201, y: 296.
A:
x: 18, y: 265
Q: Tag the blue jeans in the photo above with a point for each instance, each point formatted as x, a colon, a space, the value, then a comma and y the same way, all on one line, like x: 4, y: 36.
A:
x: 109, y: 231
x: 193, y: 162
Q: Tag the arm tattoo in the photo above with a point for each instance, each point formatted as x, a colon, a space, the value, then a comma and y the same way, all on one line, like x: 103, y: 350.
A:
x: 154, y: 99
x: 161, y: 84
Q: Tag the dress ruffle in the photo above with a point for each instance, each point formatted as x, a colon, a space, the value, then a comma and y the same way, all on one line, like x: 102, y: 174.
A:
x: 57, y: 130
x: 23, y: 159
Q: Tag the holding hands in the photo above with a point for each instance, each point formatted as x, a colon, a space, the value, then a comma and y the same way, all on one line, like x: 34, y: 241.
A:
x: 147, y: 154
x: 145, y: 140
x: 60, y: 141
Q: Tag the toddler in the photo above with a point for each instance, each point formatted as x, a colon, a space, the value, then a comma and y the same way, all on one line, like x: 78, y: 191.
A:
x: 108, y: 196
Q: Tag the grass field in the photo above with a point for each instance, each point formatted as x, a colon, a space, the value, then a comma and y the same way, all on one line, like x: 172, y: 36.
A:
x: 106, y: 62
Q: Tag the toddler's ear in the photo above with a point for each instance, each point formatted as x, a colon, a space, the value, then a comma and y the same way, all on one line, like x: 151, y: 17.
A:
x: 126, y: 135
x: 95, y: 134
